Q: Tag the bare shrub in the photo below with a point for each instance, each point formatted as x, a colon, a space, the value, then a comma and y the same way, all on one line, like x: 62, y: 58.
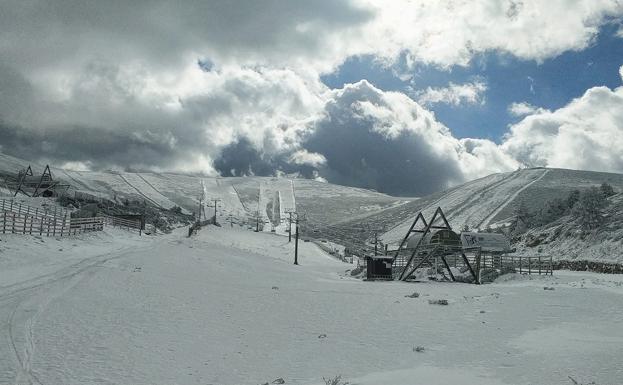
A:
x: 337, y: 380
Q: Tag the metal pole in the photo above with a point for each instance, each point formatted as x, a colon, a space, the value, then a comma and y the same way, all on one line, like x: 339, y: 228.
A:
x: 296, y: 243
x: 290, y: 228
x: 376, y: 241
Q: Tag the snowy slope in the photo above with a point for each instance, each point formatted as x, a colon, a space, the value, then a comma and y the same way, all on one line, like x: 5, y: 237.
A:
x: 228, y: 307
x: 493, y: 199
x: 344, y: 215
x: 146, y: 189
x: 239, y: 197
x: 565, y: 238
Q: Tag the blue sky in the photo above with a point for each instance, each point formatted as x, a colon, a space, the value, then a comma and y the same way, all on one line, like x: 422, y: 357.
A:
x: 550, y: 84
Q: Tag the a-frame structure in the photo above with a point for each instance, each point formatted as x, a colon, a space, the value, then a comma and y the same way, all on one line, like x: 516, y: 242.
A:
x: 43, y: 186
x: 425, y: 250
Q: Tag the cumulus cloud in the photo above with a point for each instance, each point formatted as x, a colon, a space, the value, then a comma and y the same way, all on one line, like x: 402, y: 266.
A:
x: 523, y: 109
x: 587, y: 134
x: 448, y: 32
x: 203, y: 86
x: 454, y: 94
x: 304, y: 157
x: 387, y: 141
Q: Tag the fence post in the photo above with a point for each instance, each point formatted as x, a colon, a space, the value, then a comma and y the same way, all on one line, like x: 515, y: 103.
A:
x: 529, y: 266
x: 539, y: 265
x: 520, y: 265
x: 551, y: 266
x: 41, y: 227
x: 4, y: 222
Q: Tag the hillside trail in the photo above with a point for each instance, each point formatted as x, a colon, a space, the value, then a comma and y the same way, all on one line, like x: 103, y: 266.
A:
x: 485, y: 222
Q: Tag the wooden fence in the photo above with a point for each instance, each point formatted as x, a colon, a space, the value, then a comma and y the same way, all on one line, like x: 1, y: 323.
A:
x: 17, y: 218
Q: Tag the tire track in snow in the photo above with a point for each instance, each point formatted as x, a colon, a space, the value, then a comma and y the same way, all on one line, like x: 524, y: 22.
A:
x: 485, y: 222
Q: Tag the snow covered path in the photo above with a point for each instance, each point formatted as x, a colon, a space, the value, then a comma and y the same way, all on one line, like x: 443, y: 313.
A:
x: 229, y: 307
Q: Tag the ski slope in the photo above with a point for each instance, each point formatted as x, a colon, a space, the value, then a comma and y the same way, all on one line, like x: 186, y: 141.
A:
x: 492, y: 199
x: 228, y: 307
x: 146, y: 190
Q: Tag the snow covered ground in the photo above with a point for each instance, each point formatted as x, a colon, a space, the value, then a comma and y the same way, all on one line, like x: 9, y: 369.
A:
x: 229, y: 307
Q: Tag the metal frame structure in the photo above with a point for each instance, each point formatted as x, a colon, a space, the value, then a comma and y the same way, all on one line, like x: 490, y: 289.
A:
x: 431, y: 251
x: 45, y: 183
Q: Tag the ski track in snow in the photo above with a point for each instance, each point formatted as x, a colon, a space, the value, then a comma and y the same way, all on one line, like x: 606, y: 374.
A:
x: 29, y: 298
x: 514, y: 196
x: 138, y: 191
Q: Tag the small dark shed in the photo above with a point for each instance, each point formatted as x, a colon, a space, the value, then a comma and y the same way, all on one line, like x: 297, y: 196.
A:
x: 379, y: 267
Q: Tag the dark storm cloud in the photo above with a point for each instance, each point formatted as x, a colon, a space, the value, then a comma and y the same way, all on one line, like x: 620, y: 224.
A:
x: 241, y: 158
x: 358, y: 155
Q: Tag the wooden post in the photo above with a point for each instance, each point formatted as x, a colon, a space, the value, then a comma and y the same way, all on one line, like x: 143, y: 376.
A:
x: 478, y: 266
x: 529, y: 266
x: 551, y: 266
x: 32, y: 219
x: 41, y: 227
x: 520, y: 271
x: 13, y: 229
x: 4, y: 221
x: 539, y: 265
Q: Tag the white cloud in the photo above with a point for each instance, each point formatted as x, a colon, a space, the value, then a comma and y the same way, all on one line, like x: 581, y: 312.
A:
x: 587, y: 134
x: 621, y: 72
x: 523, y: 109
x: 447, y: 32
x: 454, y: 94
x: 116, y: 84
x: 387, y: 141
x: 304, y: 157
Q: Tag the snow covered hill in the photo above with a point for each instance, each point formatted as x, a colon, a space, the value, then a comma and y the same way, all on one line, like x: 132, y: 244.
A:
x: 239, y: 199
x: 343, y: 215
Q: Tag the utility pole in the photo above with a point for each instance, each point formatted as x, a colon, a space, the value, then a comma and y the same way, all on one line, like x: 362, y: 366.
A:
x: 297, y: 219
x: 200, y: 209
x: 215, y: 200
x: 290, y: 213
x: 257, y: 221
x: 376, y: 238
